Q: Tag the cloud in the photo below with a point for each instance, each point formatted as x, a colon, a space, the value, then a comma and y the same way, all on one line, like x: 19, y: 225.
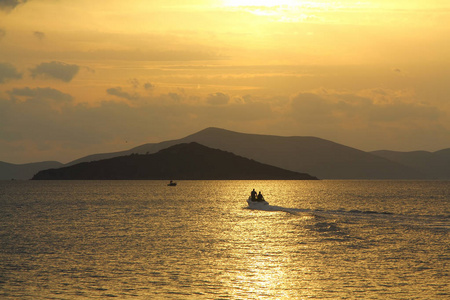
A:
x: 33, y: 117
x: 175, y: 97
x: 335, y: 108
x: 8, y: 71
x: 56, y: 70
x: 118, y: 92
x: 312, y: 108
x: 40, y: 94
x: 218, y: 99
x: 8, y: 5
x: 49, y: 120
x: 56, y: 127
x: 242, y: 113
x: 134, y: 82
x: 149, y: 54
x: 39, y: 35
x: 149, y: 86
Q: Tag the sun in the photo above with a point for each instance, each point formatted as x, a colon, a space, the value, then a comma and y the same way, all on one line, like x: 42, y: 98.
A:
x: 286, y: 11
x: 267, y: 3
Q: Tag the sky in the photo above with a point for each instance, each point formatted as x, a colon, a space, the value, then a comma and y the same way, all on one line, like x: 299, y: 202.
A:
x: 84, y: 77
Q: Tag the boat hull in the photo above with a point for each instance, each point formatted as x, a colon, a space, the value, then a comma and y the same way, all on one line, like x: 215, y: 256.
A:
x: 256, y: 203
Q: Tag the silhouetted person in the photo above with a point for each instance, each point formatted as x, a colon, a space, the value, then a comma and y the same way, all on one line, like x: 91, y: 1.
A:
x: 260, y: 197
x: 253, y: 195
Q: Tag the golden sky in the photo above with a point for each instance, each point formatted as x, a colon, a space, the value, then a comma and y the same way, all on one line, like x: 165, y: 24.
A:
x: 83, y: 77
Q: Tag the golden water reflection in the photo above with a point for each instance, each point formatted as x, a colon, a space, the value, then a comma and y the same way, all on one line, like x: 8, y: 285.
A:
x: 143, y: 240
x: 259, y: 247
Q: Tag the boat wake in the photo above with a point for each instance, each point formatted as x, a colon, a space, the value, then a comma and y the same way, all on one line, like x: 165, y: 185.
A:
x: 269, y: 207
x: 437, y: 223
x: 433, y: 222
x: 315, y: 212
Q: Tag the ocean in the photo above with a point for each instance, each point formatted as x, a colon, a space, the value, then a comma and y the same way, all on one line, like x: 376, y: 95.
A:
x: 322, y: 239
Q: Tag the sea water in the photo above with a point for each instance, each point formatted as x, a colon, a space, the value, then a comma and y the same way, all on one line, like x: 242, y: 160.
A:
x: 199, y: 240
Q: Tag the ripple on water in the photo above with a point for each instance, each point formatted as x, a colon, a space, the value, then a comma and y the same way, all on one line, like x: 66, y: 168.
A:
x: 321, y: 239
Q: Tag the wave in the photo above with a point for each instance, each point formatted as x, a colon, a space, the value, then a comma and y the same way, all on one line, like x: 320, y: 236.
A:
x: 327, y: 220
x: 275, y: 208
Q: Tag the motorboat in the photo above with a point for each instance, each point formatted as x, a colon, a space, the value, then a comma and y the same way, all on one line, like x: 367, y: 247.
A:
x: 171, y: 183
x: 256, y: 203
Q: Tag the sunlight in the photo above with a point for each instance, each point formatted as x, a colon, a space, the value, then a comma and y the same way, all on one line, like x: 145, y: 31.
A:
x: 280, y: 3
x: 268, y: 3
x: 281, y: 10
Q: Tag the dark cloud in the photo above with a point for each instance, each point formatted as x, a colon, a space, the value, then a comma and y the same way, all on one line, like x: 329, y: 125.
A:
x: 88, y: 69
x: 56, y: 70
x: 49, y: 120
x: 40, y: 94
x: 85, y: 125
x: 218, y: 99
x: 118, y: 92
x: 233, y: 113
x: 134, y: 82
x: 395, y: 112
x: 8, y: 5
x: 148, y: 86
x: 312, y: 108
x: 8, y: 71
x: 172, y: 98
x: 39, y: 35
x: 340, y: 108
x: 153, y: 55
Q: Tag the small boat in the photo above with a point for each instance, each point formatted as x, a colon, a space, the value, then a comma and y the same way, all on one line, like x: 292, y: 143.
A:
x: 256, y: 203
x: 171, y: 183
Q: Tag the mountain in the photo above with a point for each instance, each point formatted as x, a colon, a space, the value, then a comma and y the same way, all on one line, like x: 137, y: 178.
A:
x: 435, y: 165
x: 189, y: 161
x: 312, y: 155
x: 315, y: 156
x: 25, y: 171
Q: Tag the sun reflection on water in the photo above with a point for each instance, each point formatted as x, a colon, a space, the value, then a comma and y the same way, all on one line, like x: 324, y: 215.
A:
x: 198, y: 241
x: 259, y: 246
x: 261, y: 262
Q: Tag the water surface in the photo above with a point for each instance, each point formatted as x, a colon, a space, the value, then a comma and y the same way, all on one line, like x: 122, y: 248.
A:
x: 199, y: 240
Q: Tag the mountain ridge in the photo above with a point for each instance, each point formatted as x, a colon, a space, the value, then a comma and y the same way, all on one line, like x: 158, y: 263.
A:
x: 187, y: 161
x: 435, y: 165
x: 312, y: 155
x: 322, y: 158
x: 10, y: 171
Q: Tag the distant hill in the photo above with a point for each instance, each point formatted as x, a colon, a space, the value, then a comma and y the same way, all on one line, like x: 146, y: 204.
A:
x: 25, y: 171
x: 435, y: 165
x: 315, y: 156
x: 189, y: 161
x: 312, y: 155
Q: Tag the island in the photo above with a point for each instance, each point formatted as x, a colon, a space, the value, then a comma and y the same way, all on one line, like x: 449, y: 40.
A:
x: 186, y: 161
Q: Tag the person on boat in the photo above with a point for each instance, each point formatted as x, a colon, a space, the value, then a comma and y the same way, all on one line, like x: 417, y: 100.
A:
x: 253, y: 195
x: 260, y: 197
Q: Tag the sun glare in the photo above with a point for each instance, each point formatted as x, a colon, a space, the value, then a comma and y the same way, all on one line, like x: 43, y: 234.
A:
x: 268, y: 3
x: 305, y: 4
x: 279, y: 10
